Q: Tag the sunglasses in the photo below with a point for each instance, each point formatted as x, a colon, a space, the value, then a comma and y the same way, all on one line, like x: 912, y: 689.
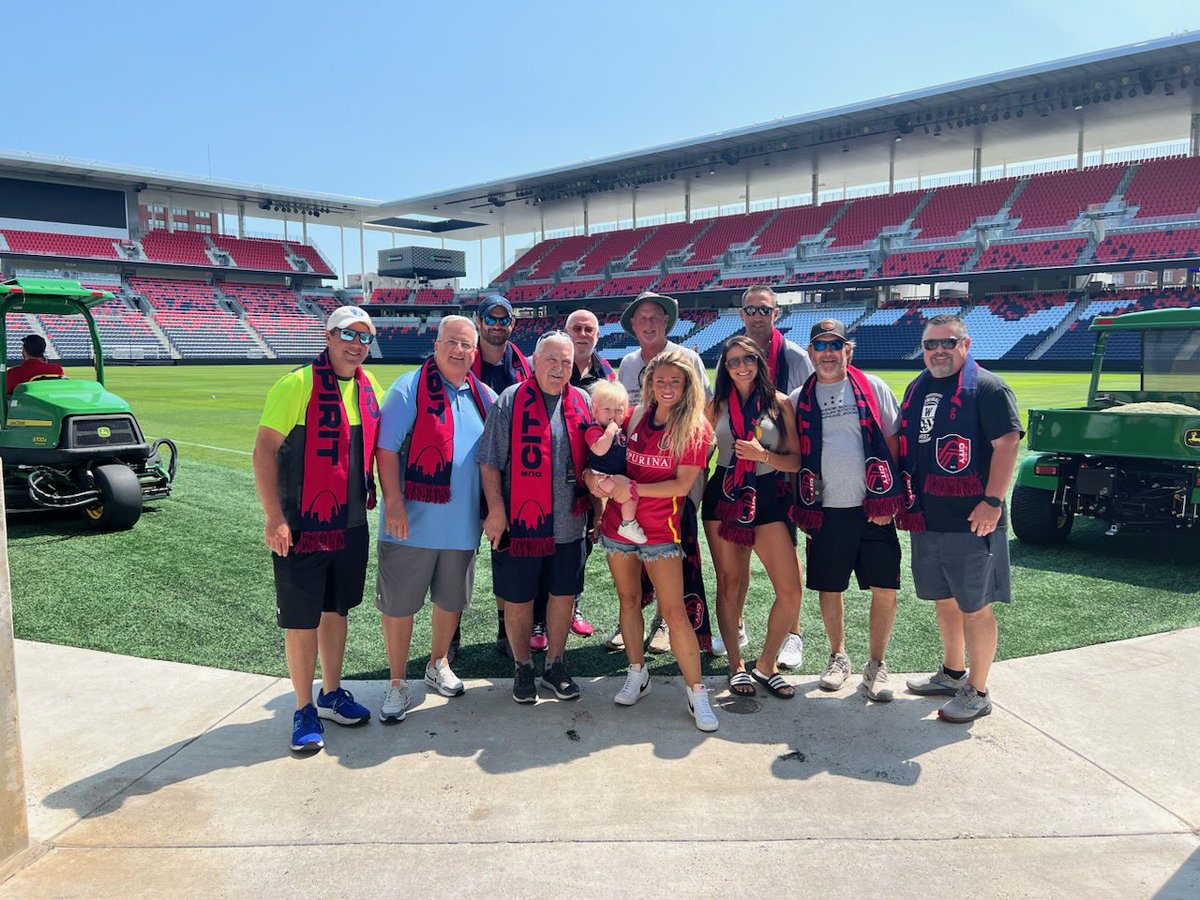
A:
x: 349, y: 334
x: 758, y: 310
x: 741, y: 362
x: 943, y: 343
x: 835, y: 345
x: 502, y: 321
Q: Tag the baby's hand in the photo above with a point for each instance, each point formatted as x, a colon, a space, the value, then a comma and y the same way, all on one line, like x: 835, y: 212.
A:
x: 612, y: 429
x: 605, y: 484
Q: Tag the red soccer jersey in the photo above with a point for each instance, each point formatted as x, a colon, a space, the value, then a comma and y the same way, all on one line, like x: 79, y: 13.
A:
x: 648, y: 462
x: 29, y: 370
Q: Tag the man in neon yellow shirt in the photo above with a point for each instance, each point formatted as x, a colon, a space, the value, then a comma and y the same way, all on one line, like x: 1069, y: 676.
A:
x: 313, y: 464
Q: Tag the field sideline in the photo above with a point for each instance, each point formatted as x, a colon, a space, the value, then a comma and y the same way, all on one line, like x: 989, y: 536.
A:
x: 192, y: 581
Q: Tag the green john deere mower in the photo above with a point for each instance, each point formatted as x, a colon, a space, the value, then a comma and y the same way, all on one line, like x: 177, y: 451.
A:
x: 69, y: 443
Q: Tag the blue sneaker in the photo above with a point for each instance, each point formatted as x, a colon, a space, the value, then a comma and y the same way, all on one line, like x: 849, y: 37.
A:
x: 341, y: 707
x: 307, y: 730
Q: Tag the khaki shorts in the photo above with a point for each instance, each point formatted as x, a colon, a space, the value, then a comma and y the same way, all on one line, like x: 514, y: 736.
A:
x: 407, y: 574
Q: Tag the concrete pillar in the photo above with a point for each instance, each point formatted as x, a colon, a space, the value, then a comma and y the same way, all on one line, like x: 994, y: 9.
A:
x: 977, y: 165
x: 167, y: 213
x: 747, y: 189
x: 587, y: 228
x: 1194, y: 136
x: 542, y: 222
x: 816, y: 185
x: 503, y: 251
x: 482, y: 274
x: 892, y: 168
x: 342, y: 238
x: 14, y: 827
x: 687, y: 201
x: 362, y: 251
x: 304, y: 227
x: 633, y: 206
x: 285, y: 229
x: 1079, y: 147
x: 241, y: 219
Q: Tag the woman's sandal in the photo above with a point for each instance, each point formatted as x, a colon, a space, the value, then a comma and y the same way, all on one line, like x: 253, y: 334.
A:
x: 775, y: 684
x: 739, y: 682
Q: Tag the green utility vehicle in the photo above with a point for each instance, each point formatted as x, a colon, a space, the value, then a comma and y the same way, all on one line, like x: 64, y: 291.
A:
x: 1130, y: 457
x: 69, y: 443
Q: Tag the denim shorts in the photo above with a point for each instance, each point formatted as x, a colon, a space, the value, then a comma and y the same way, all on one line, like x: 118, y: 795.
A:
x: 644, y: 552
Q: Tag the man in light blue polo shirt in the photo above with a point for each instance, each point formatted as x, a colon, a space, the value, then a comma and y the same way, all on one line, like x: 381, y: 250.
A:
x: 429, y: 522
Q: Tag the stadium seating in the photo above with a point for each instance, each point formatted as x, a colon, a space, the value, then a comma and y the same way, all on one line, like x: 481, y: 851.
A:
x: 1166, y: 187
x: 433, y: 296
x: 45, y: 243
x: 526, y: 259
x: 666, y: 240
x: 951, y: 210
x: 1030, y: 254
x: 312, y: 256
x: 689, y: 280
x: 998, y: 326
x: 17, y: 327
x: 797, y: 325
x: 1057, y: 199
x: 261, y: 254
x: 893, y: 333
x: 1077, y: 343
x: 926, y: 262
x: 567, y: 250
x: 830, y: 275
x: 527, y: 293
x: 613, y: 246
x: 867, y: 216
x: 573, y: 290
x: 626, y: 285
x: 124, y: 334
x: 1167, y: 244
x: 273, y: 313
x: 184, y: 247
x: 405, y: 342
x: 723, y: 234
x: 792, y: 224
x: 188, y: 313
x: 391, y: 296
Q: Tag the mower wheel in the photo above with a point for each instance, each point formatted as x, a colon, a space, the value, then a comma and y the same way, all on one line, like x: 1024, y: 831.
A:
x: 120, y: 503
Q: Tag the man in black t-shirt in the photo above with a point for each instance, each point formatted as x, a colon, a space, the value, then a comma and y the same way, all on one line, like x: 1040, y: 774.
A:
x: 960, y: 435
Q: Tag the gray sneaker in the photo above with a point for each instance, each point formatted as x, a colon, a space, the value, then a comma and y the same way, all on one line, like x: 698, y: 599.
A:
x: 966, y: 705
x: 875, y: 681
x: 937, y: 683
x: 660, y: 638
x: 835, y: 673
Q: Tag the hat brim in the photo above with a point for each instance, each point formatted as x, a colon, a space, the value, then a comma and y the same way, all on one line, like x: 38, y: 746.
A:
x: 666, y: 304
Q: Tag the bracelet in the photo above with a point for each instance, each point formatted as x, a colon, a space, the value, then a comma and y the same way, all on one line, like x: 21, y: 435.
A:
x: 633, y: 494
x: 766, y: 457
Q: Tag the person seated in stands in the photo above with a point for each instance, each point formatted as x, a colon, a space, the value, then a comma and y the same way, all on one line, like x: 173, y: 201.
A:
x: 33, y: 363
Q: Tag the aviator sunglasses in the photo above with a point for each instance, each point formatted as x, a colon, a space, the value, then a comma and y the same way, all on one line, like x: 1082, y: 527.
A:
x: 758, y: 310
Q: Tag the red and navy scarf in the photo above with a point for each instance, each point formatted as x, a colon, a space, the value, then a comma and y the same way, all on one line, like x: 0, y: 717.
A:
x: 885, y: 493
x: 531, y: 466
x: 325, y: 491
x: 514, y: 362
x: 431, y: 447
x: 954, y: 432
x: 599, y: 362
x: 777, y: 360
x: 739, y: 487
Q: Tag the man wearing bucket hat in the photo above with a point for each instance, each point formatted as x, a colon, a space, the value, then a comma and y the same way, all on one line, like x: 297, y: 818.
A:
x: 649, y: 319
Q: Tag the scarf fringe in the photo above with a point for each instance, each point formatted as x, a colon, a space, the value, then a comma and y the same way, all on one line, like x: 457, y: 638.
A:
x: 736, y: 533
x: 527, y: 546
x: 316, y: 541
x: 581, y: 505
x: 807, y: 519
x: 953, y: 485
x: 907, y: 521
x: 882, y: 506
x: 426, y: 493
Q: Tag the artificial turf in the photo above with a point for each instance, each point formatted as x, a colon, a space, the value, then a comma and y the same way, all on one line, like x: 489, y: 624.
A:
x: 192, y: 581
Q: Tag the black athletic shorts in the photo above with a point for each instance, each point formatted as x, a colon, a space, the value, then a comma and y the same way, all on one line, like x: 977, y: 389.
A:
x: 773, y: 501
x: 847, y: 542
x: 518, y: 579
x: 308, y: 584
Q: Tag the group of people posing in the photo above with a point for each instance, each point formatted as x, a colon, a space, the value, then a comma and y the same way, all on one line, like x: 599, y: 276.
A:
x: 550, y: 456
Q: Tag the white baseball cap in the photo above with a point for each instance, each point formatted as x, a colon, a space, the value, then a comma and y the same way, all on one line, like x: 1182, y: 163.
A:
x: 345, y: 316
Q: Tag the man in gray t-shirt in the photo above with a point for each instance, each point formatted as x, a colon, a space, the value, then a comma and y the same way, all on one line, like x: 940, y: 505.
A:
x: 847, y: 540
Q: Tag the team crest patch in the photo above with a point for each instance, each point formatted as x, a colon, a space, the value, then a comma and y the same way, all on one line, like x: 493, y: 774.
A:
x: 879, y: 476
x: 807, y: 487
x: 953, y: 453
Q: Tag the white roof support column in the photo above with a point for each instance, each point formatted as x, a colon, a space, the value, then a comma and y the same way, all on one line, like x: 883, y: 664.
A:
x: 977, y: 165
x: 342, y: 238
x: 1079, y: 146
x: 241, y: 219
x: 687, y: 200
x: 170, y: 217
x: 482, y: 274
x: 1194, y: 133
x: 892, y: 168
x: 362, y: 253
x: 14, y: 826
x: 816, y: 183
x: 633, y: 206
x: 747, y: 189
x: 503, y: 251
x: 304, y: 227
x: 587, y: 228
x: 542, y: 222
x: 285, y: 228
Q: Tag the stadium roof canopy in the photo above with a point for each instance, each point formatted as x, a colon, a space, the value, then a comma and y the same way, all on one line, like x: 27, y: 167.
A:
x: 212, y: 194
x: 1133, y: 95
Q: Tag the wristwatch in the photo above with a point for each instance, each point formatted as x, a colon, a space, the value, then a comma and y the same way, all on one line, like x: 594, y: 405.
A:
x: 993, y: 502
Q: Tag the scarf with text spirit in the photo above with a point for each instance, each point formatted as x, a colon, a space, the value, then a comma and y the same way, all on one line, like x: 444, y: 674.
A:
x: 431, y: 447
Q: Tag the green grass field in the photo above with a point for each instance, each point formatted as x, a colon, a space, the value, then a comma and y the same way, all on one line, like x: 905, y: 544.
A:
x: 192, y: 582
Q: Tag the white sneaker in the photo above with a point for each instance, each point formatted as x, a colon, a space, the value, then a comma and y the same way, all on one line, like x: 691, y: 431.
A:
x: 660, y: 636
x: 395, y: 703
x: 718, y: 645
x: 701, y: 710
x: 632, y: 532
x: 791, y: 654
x: 616, y: 642
x: 442, y: 679
x: 637, y: 683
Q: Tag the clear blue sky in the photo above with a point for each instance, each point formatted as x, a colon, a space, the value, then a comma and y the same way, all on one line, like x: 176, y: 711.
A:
x: 388, y: 100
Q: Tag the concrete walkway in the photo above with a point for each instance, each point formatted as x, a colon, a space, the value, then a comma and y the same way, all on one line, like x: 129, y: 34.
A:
x: 156, y: 779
